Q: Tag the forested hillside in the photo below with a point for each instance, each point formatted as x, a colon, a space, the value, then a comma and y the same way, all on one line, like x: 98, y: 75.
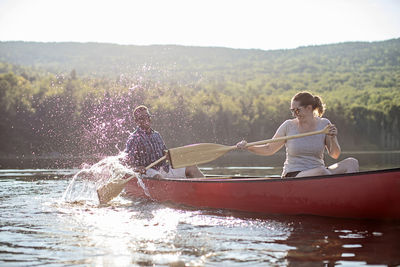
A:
x: 77, y: 98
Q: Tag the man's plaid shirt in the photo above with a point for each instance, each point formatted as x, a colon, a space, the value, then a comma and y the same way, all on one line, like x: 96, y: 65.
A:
x: 145, y: 148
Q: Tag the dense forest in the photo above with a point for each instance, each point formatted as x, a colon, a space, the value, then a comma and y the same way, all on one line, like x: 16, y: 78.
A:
x: 77, y: 98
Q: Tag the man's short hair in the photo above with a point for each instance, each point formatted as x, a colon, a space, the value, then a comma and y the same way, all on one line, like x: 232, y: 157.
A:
x: 140, y: 108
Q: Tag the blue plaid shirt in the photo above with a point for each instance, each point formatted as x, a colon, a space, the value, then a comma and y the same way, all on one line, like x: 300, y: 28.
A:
x: 145, y: 148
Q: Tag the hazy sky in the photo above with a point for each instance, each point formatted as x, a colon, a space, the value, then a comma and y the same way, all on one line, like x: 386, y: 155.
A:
x: 263, y: 24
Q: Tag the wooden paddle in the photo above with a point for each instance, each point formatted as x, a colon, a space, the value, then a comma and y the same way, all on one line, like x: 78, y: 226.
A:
x: 205, y: 152
x: 113, y: 188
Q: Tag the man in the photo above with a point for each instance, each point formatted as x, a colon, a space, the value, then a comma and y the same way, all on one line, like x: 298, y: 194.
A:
x: 145, y: 146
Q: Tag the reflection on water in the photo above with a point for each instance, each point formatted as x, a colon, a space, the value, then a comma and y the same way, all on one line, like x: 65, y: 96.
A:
x: 148, y: 233
x: 344, y: 242
x: 37, y: 227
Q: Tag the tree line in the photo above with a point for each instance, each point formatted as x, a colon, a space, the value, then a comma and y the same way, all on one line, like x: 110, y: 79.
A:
x: 196, y: 94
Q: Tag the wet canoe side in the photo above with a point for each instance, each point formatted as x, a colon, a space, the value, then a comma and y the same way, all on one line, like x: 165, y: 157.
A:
x: 374, y: 194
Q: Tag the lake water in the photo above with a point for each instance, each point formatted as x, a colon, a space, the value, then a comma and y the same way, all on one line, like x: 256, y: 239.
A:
x: 38, y: 227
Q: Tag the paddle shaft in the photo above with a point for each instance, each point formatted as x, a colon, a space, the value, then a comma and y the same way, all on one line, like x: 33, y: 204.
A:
x: 284, y: 138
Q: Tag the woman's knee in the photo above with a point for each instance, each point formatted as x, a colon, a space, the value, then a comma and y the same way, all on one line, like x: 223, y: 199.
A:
x: 314, y: 172
x: 324, y: 171
x: 352, y: 164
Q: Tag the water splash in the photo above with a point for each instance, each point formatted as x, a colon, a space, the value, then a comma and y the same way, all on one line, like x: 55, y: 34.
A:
x: 83, y: 186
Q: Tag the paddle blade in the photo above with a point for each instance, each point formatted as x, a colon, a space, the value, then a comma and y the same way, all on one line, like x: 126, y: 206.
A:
x: 112, y: 189
x: 196, y: 154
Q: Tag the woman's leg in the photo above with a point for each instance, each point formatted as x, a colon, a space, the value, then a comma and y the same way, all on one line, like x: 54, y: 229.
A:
x: 314, y: 172
x: 348, y: 165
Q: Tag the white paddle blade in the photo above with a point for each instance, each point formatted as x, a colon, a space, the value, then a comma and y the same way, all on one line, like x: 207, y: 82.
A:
x: 196, y: 154
x: 112, y: 189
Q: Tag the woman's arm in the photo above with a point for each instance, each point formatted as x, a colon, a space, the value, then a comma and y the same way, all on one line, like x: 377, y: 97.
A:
x: 331, y: 142
x: 267, y: 149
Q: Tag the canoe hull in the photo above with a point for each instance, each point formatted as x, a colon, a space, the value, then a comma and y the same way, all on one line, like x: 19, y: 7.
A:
x: 374, y: 195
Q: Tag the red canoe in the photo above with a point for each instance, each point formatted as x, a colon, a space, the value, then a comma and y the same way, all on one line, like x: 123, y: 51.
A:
x: 372, y: 194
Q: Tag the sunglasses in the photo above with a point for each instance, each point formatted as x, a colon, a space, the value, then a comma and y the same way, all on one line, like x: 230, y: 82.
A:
x: 295, y: 111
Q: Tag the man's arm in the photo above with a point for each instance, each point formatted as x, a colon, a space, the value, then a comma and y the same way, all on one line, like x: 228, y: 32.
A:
x: 132, y: 148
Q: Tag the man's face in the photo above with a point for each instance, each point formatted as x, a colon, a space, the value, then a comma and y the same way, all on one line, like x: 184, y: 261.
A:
x: 143, y: 119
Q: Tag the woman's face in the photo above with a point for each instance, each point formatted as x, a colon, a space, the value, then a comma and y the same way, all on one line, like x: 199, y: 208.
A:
x: 298, y: 111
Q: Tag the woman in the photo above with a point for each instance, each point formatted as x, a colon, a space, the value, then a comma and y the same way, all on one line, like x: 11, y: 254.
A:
x: 305, y: 156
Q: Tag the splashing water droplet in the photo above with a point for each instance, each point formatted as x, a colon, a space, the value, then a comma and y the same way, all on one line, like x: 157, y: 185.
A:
x: 83, y: 186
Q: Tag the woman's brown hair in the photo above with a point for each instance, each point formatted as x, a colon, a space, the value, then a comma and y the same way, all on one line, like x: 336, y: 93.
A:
x: 305, y: 99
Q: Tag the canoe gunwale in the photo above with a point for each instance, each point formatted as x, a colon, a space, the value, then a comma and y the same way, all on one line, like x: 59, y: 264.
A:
x: 241, y: 179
